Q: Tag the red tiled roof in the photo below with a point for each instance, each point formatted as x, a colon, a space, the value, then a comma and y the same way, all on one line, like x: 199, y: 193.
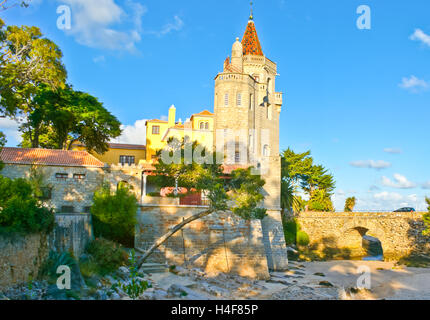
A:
x: 250, y: 42
x: 49, y: 157
x: 126, y: 146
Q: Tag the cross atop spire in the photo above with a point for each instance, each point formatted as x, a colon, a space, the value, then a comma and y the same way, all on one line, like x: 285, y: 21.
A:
x: 251, y: 16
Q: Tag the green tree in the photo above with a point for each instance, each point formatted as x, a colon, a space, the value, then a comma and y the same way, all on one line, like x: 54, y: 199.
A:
x: 20, y: 211
x: 299, y: 171
x: 114, y: 214
x: 350, y: 204
x: 2, y: 144
x: 242, y: 194
x: 62, y: 117
x: 320, y: 201
x: 426, y: 218
x: 27, y: 60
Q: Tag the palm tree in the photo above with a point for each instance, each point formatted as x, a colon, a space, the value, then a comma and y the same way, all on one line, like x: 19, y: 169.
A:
x: 290, y: 202
x: 350, y: 204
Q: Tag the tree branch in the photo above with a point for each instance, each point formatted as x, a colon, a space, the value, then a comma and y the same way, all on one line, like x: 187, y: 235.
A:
x: 164, y: 238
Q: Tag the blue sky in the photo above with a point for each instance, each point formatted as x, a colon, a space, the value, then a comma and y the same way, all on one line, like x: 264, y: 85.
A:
x: 358, y: 99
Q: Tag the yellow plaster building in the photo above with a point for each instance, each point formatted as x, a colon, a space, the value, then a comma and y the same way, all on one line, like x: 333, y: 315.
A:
x: 199, y: 127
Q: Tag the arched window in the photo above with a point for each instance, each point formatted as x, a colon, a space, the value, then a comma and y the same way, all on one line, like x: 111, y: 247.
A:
x: 226, y: 99
x: 204, y: 125
x: 239, y: 99
x: 266, y: 150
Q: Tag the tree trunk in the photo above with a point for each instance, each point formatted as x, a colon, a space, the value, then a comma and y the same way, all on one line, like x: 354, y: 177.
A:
x: 164, y: 238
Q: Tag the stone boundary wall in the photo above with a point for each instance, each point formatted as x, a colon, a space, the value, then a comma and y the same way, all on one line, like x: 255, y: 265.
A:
x: 220, y: 242
x: 21, y: 258
x: 400, y: 233
x: 72, y: 233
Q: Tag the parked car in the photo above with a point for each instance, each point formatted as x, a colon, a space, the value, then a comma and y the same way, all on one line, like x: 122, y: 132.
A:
x: 405, y: 210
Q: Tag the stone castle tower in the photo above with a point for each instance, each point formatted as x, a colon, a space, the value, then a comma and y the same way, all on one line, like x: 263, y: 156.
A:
x: 247, y: 109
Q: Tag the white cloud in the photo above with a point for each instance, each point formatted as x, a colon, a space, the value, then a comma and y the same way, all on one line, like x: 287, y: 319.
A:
x: 169, y: 27
x: 10, y: 129
x: 95, y: 23
x: 400, y: 182
x: 133, y: 134
x: 393, y: 150
x: 387, y: 201
x: 414, y: 84
x: 371, y: 164
x: 420, y: 35
x: 99, y: 59
x: 388, y: 196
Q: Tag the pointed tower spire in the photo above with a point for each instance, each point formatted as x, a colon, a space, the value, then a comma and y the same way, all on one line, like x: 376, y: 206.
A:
x: 251, y: 16
x: 250, y: 42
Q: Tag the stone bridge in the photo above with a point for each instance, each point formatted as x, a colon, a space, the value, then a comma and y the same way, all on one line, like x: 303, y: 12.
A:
x: 400, y: 233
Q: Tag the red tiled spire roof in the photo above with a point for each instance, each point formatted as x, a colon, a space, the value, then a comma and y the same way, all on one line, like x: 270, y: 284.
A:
x: 250, y: 42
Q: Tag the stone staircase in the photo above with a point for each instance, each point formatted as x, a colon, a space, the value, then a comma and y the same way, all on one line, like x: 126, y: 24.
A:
x: 154, y: 268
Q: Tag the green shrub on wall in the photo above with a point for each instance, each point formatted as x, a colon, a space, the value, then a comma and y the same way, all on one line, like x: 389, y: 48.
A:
x: 302, y: 238
x: 294, y: 234
x: 290, y: 231
x: 114, y: 214
x: 20, y: 211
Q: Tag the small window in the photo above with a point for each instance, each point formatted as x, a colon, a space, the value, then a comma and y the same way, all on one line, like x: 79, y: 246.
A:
x: 87, y: 210
x: 67, y: 209
x: 155, y: 129
x: 127, y: 160
x: 239, y: 99
x: 79, y: 176
x: 61, y: 176
x: 226, y: 99
x: 237, y: 157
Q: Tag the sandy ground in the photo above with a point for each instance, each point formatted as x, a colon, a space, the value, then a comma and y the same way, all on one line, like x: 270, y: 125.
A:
x: 387, y: 281
x: 308, y: 281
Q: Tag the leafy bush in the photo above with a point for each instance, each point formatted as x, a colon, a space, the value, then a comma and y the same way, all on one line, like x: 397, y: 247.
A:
x: 20, y: 211
x: 290, y: 230
x: 302, y: 238
x: 135, y: 287
x: 114, y: 215
x: 56, y: 259
x: 426, y: 218
x: 108, y: 255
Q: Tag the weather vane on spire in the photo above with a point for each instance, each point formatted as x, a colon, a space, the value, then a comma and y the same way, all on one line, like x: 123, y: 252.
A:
x: 251, y: 17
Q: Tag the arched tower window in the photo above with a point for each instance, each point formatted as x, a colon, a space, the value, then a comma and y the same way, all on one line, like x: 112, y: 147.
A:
x: 226, y: 99
x: 239, y: 99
